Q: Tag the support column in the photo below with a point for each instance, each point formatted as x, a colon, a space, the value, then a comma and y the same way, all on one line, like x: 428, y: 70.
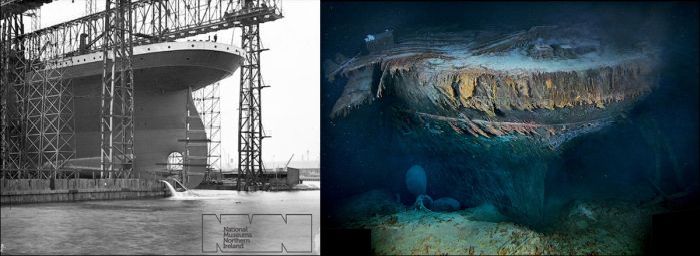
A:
x: 117, y: 101
x: 250, y: 131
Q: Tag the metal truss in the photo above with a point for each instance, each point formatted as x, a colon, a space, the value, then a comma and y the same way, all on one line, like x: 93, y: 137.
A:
x: 250, y: 130
x: 114, y: 32
x: 154, y: 21
x: 16, y: 129
x: 117, y: 98
x: 13, y: 73
x: 49, y: 108
x: 38, y: 131
x: 90, y: 7
x: 4, y: 115
x: 207, y: 101
x: 49, y: 116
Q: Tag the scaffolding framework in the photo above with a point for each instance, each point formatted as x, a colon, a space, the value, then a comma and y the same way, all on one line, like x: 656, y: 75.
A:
x: 49, y: 117
x: 37, y: 103
x: 154, y: 21
x: 90, y: 7
x: 13, y: 74
x: 49, y: 108
x: 37, y: 134
x: 117, y: 98
x: 193, y: 139
x: 207, y: 102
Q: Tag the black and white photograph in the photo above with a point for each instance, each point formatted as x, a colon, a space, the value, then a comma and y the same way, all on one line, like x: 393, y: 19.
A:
x: 160, y: 127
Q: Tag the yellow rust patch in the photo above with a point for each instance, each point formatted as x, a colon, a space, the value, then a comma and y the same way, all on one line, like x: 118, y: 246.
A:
x: 600, y: 104
x: 446, y: 89
x: 467, y: 83
x: 486, y: 90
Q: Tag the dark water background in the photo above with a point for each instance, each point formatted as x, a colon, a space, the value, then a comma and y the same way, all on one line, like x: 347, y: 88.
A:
x: 359, y: 153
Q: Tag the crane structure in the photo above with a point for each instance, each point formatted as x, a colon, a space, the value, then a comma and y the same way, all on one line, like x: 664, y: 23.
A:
x: 117, y: 97
x: 13, y: 67
x: 153, y: 21
x: 37, y: 133
x: 250, y: 129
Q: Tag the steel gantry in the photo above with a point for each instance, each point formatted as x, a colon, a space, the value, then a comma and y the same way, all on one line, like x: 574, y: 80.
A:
x: 45, y: 108
x: 37, y: 109
x: 155, y: 21
x: 250, y: 135
x: 13, y: 70
x: 117, y: 98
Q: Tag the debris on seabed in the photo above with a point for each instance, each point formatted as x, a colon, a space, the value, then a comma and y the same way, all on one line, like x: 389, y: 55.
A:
x: 618, y: 228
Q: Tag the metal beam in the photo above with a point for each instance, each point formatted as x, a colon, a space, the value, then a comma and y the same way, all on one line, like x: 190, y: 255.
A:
x: 117, y: 98
x: 12, y: 80
x: 250, y: 130
x: 158, y: 20
x: 37, y: 128
x: 207, y: 101
x: 113, y: 32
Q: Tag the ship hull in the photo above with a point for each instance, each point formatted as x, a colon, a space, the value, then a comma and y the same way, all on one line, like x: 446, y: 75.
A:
x: 163, y: 73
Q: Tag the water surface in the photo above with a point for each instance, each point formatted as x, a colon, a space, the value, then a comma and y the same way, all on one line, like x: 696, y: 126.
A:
x: 154, y: 226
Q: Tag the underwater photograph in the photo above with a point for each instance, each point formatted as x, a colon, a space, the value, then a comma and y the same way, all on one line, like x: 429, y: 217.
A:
x: 502, y: 128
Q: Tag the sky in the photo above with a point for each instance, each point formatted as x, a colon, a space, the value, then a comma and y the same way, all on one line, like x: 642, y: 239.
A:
x: 290, y: 107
